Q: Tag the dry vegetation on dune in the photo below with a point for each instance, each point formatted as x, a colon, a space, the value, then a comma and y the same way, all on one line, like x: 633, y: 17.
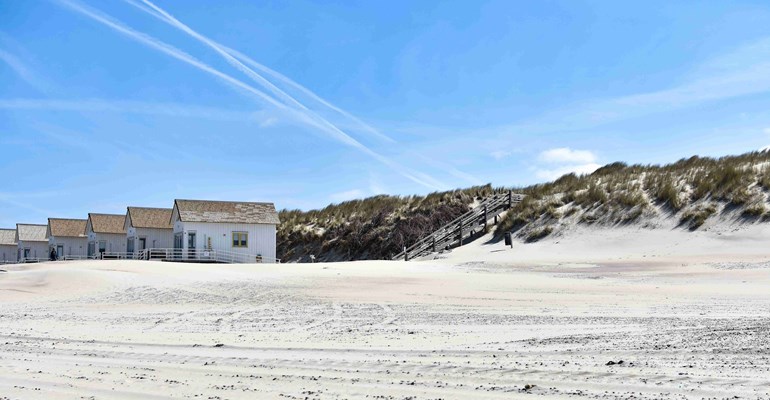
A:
x: 692, y: 191
x: 373, y: 228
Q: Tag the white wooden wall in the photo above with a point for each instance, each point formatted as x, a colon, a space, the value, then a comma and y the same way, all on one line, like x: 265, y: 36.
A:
x: 261, y: 237
x: 116, y: 242
x: 72, y: 246
x: 156, y: 238
x: 9, y: 252
x: 36, y: 249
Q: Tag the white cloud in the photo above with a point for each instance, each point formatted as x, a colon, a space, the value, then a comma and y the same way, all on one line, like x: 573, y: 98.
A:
x: 766, y: 131
x: 566, y: 155
x: 346, y: 195
x: 564, y: 160
x: 555, y: 173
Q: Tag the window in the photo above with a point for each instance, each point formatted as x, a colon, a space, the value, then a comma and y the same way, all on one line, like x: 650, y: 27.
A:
x: 102, y: 246
x: 240, y: 239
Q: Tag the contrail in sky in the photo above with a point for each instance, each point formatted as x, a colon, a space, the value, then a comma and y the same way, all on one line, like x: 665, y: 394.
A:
x: 238, y: 59
x: 306, y: 117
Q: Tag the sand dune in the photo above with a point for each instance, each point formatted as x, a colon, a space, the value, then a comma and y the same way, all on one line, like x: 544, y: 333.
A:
x: 482, y: 322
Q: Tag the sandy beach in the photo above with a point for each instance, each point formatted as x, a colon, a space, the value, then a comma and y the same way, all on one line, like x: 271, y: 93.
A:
x: 644, y: 314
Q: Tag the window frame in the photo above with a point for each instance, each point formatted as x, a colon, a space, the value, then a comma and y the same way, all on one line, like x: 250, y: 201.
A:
x: 243, y: 237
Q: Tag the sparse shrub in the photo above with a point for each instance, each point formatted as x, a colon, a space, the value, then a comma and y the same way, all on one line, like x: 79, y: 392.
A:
x: 551, y: 212
x: 738, y: 196
x: 697, y: 216
x: 755, y: 210
x: 538, y: 233
x: 629, y: 199
x: 570, y: 212
x: 668, y: 195
x: 589, y: 218
x: 629, y: 216
x: 595, y: 194
x: 567, y: 182
x: 520, y: 215
x: 610, y: 169
x: 763, y: 180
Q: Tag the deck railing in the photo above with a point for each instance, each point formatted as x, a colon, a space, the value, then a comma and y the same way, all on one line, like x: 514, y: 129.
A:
x: 180, y: 255
x: 189, y: 255
x: 26, y: 260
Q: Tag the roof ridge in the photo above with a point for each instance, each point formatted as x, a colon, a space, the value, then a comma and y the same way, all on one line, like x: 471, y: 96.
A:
x: 226, y: 201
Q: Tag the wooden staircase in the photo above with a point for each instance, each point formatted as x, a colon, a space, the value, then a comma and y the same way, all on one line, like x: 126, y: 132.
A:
x: 463, y: 228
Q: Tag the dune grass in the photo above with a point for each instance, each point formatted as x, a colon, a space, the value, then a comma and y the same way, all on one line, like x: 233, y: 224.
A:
x: 693, y: 190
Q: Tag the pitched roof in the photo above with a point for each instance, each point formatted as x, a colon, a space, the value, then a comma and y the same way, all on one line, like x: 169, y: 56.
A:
x: 239, y: 212
x: 8, y: 237
x: 107, y: 223
x: 65, y: 227
x: 31, y: 232
x: 145, y: 217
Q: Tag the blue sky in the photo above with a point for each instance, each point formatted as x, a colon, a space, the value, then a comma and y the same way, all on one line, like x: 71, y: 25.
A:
x: 115, y: 103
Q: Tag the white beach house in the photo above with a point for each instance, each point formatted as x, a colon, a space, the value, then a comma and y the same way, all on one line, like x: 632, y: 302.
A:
x: 31, y: 242
x: 9, y: 251
x: 68, y: 237
x: 243, y: 230
x: 106, y: 234
x: 148, y: 228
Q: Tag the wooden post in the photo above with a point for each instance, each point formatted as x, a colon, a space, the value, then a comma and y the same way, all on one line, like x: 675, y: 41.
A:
x: 406, y: 254
x: 485, y: 218
x: 495, y: 219
x: 434, y: 243
x: 460, y: 228
x: 510, y: 198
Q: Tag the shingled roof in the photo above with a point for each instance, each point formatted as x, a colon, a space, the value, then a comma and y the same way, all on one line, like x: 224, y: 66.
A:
x: 31, y: 232
x: 107, y: 223
x: 145, y: 217
x: 8, y: 237
x: 64, y: 227
x: 237, y: 212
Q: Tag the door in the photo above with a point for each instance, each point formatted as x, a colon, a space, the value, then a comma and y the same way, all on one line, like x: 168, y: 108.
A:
x: 91, y: 249
x: 178, y: 245
x: 142, y: 243
x: 191, y: 239
x: 26, y: 253
x: 130, y: 245
x: 59, y: 251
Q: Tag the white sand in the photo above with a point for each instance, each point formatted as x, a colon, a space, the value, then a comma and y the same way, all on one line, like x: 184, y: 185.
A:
x: 687, y: 313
